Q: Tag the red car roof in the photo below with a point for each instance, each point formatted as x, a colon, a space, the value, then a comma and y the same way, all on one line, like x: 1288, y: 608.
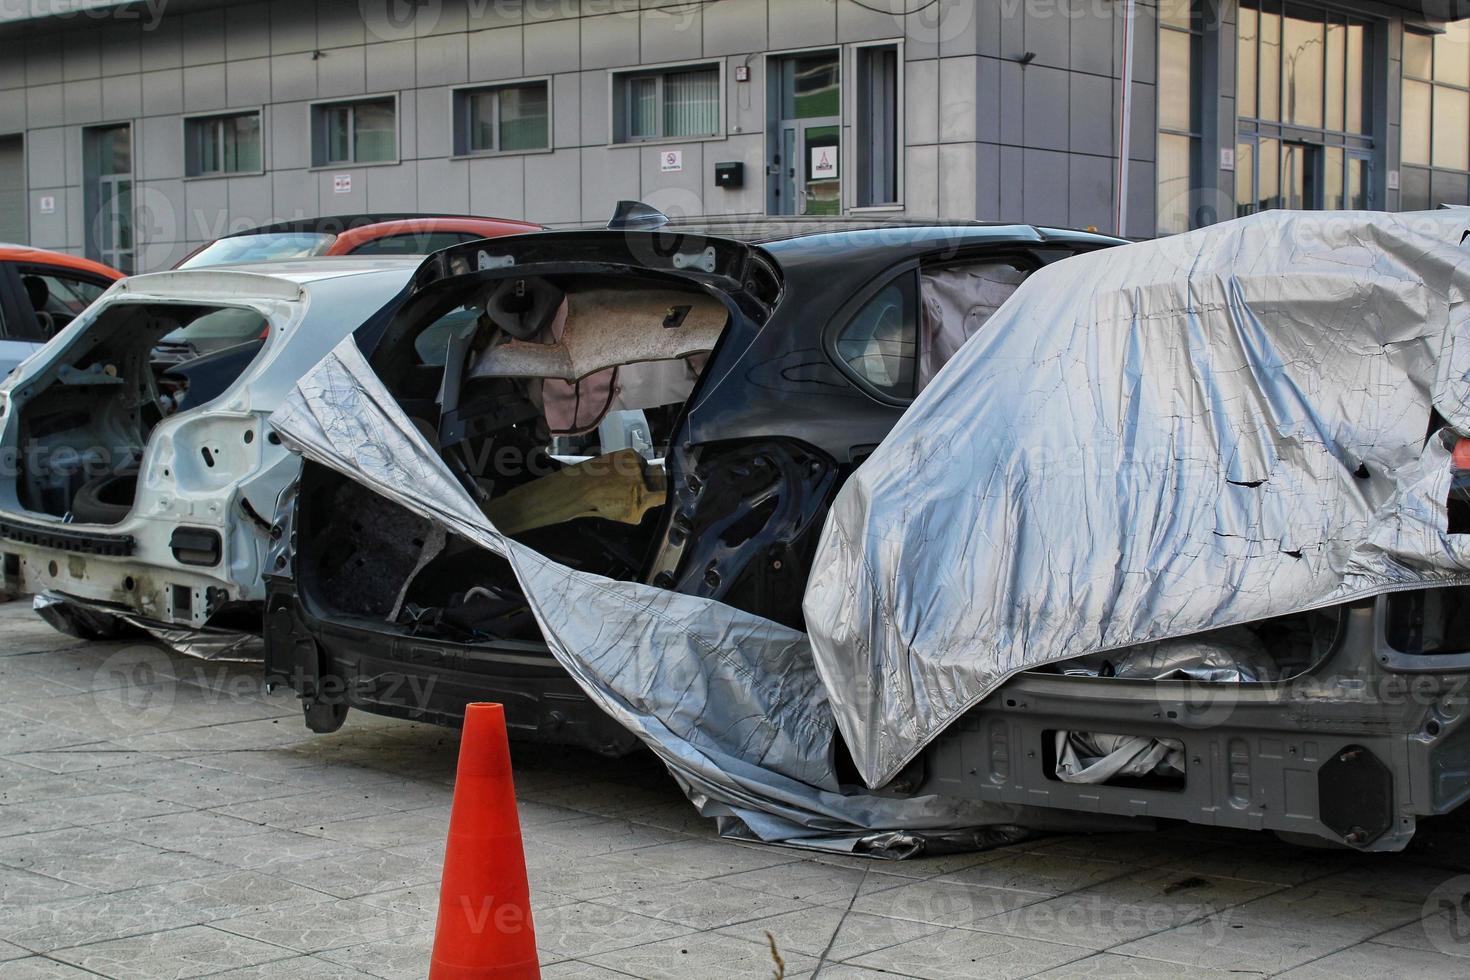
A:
x: 41, y: 256
x: 483, y: 227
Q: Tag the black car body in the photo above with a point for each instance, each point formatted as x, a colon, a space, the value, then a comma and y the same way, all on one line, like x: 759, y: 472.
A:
x: 818, y: 356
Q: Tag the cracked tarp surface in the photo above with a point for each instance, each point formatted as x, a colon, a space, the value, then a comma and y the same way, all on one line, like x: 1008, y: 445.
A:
x: 731, y: 703
x: 1150, y: 442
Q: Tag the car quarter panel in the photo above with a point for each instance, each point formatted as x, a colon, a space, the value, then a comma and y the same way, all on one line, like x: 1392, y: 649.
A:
x: 213, y: 471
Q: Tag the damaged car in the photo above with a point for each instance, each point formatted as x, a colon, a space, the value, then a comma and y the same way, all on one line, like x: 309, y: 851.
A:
x: 649, y: 406
x: 137, y: 487
x: 1179, y: 531
x: 142, y: 433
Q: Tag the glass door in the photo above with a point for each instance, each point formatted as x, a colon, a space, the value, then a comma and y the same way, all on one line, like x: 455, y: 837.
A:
x: 805, y: 169
x: 821, y: 191
x: 1258, y: 177
x: 1359, y: 181
x: 108, y: 194
x: 1299, y: 176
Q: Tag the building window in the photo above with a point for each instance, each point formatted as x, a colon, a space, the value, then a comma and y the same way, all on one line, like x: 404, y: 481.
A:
x: 1177, y: 164
x: 671, y: 104
x: 223, y: 144
x: 365, y: 131
x: 502, y: 118
x: 1435, y: 130
x: 877, y: 125
x: 1302, y: 107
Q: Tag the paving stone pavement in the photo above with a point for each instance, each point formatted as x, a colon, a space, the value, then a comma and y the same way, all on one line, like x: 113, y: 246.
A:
x: 164, y: 817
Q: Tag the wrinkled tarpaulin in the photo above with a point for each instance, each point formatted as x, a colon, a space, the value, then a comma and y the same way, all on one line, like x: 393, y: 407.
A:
x: 730, y: 702
x: 1143, y: 443
x: 1149, y: 442
x: 209, y: 643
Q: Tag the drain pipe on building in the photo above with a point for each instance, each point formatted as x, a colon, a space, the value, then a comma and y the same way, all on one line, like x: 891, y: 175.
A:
x: 1125, y: 123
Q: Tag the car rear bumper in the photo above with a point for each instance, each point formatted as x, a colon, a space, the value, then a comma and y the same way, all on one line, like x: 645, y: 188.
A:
x: 137, y: 571
x: 430, y: 680
x: 1352, y: 752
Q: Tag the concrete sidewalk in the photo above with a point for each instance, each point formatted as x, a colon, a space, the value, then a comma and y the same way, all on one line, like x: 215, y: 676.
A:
x: 164, y: 817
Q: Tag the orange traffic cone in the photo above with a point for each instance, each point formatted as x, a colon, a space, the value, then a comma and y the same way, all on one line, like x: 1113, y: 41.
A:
x: 484, y: 925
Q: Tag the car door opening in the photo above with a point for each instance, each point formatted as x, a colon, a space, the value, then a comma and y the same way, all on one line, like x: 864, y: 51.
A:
x: 88, y: 419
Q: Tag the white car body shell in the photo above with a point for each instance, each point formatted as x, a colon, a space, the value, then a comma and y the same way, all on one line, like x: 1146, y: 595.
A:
x: 311, y: 306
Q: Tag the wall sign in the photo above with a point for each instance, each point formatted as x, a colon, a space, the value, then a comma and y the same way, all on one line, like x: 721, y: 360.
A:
x: 341, y: 183
x: 47, y: 204
x: 671, y: 161
x: 1393, y: 180
x: 822, y: 162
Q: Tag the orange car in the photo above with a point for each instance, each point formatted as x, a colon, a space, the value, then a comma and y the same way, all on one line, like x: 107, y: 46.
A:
x: 41, y: 292
x: 361, y: 234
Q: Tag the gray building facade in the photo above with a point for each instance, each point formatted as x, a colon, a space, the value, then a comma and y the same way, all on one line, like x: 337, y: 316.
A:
x: 134, y: 132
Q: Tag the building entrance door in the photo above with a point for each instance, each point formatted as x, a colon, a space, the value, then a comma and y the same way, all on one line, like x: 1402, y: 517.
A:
x: 107, y: 164
x: 804, y: 171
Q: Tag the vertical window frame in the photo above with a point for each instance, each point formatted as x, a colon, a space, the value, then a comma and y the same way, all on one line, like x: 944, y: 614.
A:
x: 1195, y: 133
x: 853, y: 133
x: 1433, y: 85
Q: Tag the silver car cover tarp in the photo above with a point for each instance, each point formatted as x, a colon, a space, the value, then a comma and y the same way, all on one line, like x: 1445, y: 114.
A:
x: 207, y: 643
x: 731, y: 703
x: 1233, y: 655
x: 1149, y: 442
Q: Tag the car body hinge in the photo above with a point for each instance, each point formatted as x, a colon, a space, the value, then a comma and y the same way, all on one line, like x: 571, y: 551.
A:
x: 485, y: 260
x: 703, y: 261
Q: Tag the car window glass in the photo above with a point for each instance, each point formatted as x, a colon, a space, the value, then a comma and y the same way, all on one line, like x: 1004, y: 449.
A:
x: 264, y: 247
x: 878, y: 343
x: 65, y: 294
x: 410, y: 243
x: 220, y: 328
x: 432, y: 345
x: 69, y: 294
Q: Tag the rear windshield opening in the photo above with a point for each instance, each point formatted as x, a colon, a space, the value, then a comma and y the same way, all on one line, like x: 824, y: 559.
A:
x: 554, y: 401
x: 86, y: 420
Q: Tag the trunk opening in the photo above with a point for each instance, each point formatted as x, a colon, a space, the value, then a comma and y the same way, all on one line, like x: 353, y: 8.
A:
x: 554, y: 400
